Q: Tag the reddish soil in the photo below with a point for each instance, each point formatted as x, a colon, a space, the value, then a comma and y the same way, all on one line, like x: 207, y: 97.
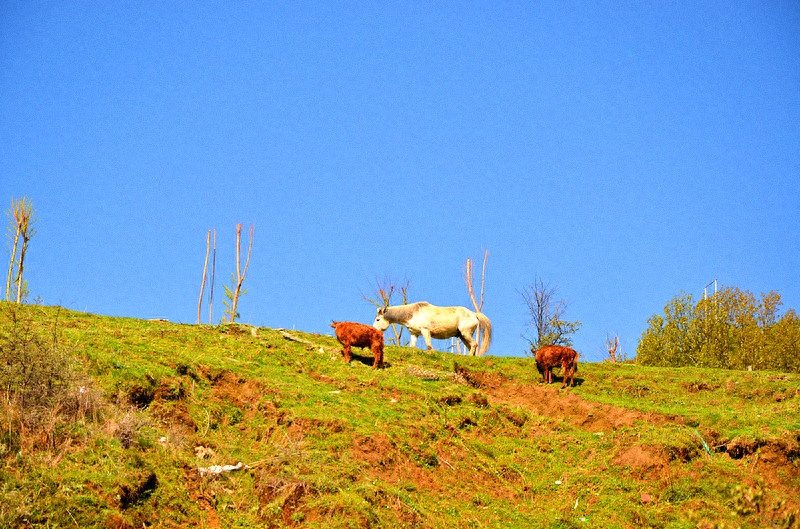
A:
x: 771, y: 462
x: 549, y: 401
x: 205, y: 500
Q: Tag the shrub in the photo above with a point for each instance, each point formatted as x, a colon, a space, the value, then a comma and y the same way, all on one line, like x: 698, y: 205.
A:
x: 39, y: 389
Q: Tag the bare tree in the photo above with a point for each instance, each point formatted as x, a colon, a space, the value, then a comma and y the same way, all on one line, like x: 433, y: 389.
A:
x: 205, y: 275
x: 478, y: 305
x: 20, y: 232
x: 213, y: 278
x: 612, y: 344
x: 546, y: 315
x: 384, y: 291
x: 235, y: 291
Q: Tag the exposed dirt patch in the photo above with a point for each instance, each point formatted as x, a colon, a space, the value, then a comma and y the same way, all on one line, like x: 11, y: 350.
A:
x: 479, y: 400
x: 170, y: 389
x: 642, y: 460
x: 400, y: 469
x: 116, y: 521
x: 243, y: 392
x: 139, y: 489
x: 777, y: 461
x: 195, y: 486
x: 140, y: 395
x: 165, y: 399
x: 696, y: 387
x: 377, y: 450
x: 279, y: 498
x: 403, y: 465
x: 175, y: 414
x: 479, y: 379
x: 450, y: 400
x: 778, y: 464
x: 549, y: 401
x: 742, y: 447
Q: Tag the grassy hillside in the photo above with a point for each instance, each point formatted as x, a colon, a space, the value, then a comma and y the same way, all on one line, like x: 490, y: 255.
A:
x: 434, y: 440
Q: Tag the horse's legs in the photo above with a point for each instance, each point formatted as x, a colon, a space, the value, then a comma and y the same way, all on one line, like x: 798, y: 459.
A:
x: 426, y: 335
x: 413, y: 341
x: 470, y: 342
x: 466, y: 334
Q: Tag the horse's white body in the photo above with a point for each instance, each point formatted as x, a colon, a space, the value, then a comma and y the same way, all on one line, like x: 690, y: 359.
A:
x: 431, y: 321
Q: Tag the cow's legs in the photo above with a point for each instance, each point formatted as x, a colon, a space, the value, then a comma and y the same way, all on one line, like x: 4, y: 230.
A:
x: 569, y: 371
x: 347, y: 353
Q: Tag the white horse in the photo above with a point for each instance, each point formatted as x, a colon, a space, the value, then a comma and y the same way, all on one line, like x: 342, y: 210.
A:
x: 431, y: 321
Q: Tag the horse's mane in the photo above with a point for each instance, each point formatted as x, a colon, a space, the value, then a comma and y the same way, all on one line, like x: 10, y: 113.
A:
x: 403, y: 312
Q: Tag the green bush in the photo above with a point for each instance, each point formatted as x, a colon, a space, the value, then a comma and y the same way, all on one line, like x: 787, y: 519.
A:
x: 731, y: 329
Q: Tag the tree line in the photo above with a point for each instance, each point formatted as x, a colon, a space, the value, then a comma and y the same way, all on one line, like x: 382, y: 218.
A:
x: 732, y: 329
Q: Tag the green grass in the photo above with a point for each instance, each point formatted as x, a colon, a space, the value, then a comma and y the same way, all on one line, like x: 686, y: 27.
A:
x: 329, y: 444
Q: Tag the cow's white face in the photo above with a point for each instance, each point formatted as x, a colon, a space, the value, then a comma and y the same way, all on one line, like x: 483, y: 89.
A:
x: 381, y: 323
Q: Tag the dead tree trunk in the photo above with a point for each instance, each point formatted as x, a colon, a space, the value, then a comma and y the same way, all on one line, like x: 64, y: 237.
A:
x: 612, y: 344
x: 13, y: 261
x: 240, y: 274
x: 478, y: 306
x: 205, y: 275
x: 21, y: 227
x: 213, y: 278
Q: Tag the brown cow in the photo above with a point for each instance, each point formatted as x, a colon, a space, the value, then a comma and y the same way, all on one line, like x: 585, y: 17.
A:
x: 359, y: 335
x: 551, y: 356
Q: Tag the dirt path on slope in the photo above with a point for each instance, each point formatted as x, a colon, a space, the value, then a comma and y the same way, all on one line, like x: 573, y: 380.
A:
x: 550, y: 401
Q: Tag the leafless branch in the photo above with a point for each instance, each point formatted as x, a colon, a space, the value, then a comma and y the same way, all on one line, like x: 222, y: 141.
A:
x: 384, y: 291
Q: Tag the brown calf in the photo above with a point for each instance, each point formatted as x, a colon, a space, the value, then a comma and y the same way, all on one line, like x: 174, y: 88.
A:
x: 359, y: 335
x: 551, y: 356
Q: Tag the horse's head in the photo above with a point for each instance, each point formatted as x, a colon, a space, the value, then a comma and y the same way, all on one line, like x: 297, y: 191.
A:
x: 381, y: 323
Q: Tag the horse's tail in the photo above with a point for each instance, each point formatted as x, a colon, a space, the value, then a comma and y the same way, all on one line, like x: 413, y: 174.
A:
x: 486, y: 328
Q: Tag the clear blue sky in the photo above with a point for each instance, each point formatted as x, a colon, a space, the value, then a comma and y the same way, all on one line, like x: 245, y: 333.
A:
x: 623, y: 152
